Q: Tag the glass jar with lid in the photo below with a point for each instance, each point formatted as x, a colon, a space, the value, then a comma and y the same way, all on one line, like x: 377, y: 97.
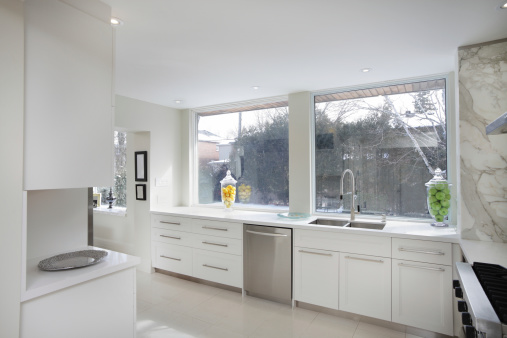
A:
x: 439, y: 198
x: 228, y: 190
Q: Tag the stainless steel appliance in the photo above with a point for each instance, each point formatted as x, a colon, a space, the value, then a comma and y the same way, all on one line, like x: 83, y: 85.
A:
x: 267, y: 265
x: 482, y: 293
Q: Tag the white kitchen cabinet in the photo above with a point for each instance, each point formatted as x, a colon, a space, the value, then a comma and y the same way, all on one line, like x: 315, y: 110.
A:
x: 365, y: 285
x: 103, y: 307
x: 200, y: 248
x: 68, y: 135
x: 316, y: 276
x: 422, y: 295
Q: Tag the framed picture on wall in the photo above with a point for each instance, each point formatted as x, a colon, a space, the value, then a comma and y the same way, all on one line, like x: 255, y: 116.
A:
x: 141, y: 192
x: 141, y: 166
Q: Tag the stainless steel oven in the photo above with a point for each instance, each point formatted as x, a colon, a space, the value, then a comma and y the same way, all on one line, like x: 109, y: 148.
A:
x: 481, y: 293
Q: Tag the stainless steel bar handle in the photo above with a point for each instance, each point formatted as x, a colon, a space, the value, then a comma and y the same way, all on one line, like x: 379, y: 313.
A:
x: 215, y: 267
x: 365, y: 259
x: 315, y: 253
x: 176, y: 259
x: 170, y: 237
x: 166, y: 222
x: 213, y: 228
x: 422, y: 251
x: 265, y: 234
x: 217, y: 244
x: 420, y: 267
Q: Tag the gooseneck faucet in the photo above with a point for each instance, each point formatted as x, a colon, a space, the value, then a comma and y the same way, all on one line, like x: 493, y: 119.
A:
x: 352, y: 210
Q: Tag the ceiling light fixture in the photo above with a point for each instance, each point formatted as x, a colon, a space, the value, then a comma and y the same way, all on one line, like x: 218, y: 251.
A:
x: 255, y: 87
x: 366, y: 70
x: 502, y: 5
x: 115, y: 22
x: 178, y: 101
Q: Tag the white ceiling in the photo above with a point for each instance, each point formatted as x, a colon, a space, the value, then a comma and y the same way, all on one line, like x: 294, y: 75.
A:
x: 207, y: 52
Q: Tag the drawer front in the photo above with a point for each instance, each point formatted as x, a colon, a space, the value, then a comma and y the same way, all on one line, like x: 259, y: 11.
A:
x: 218, y: 228
x: 218, y: 267
x: 422, y: 251
x: 173, y: 258
x: 171, y: 222
x: 172, y: 237
x: 335, y: 241
x: 218, y: 244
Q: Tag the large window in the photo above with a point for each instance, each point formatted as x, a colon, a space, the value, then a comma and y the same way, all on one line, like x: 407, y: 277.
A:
x: 252, y: 142
x: 120, y: 173
x: 392, y: 138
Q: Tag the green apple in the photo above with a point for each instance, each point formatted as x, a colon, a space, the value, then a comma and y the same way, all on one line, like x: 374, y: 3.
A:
x: 432, y: 191
x: 436, y: 206
x: 445, y: 203
x: 432, y: 199
x: 439, y: 218
x: 440, y: 186
x: 443, y: 211
x: 446, y: 191
x: 434, y: 212
x: 448, y: 197
x: 440, y: 195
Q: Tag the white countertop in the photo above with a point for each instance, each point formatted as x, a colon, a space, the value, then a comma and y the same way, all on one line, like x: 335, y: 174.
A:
x: 485, y: 252
x: 40, y: 282
x: 401, y: 229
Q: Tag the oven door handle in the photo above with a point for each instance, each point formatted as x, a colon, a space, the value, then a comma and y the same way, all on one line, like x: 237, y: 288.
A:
x: 420, y: 267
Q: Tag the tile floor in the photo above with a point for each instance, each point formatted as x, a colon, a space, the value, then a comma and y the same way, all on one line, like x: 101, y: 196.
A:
x: 172, y: 307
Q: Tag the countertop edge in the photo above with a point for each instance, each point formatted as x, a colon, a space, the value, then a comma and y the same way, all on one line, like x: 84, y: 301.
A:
x: 398, y: 229
x: 40, y: 283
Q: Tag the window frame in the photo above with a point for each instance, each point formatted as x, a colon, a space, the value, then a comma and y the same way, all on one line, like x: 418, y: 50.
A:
x: 451, y: 121
x: 194, y: 154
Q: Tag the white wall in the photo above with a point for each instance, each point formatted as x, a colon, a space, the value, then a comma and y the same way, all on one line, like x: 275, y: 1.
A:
x: 156, y: 129
x: 11, y: 153
x: 67, y: 219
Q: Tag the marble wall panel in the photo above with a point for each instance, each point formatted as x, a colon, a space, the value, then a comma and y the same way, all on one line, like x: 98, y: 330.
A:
x: 482, y: 99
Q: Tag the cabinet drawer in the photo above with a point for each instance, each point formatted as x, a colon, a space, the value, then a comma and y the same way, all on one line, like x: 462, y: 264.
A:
x: 218, y: 267
x: 173, y: 258
x: 218, y: 228
x: 422, y: 251
x: 172, y: 236
x: 171, y: 222
x: 218, y: 244
x: 335, y: 241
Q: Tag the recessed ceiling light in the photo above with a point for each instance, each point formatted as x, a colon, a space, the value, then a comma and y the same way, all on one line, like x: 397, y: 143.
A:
x: 255, y: 87
x: 502, y: 5
x: 366, y: 70
x: 116, y: 22
x: 178, y: 101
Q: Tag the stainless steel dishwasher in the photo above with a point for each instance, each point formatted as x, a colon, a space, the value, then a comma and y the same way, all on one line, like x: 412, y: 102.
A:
x: 267, y: 265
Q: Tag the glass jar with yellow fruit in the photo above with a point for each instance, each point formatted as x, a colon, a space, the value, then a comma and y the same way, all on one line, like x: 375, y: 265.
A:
x: 439, y: 198
x: 228, y: 188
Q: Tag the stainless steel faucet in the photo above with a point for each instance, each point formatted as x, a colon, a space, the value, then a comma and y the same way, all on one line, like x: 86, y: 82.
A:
x: 352, y: 210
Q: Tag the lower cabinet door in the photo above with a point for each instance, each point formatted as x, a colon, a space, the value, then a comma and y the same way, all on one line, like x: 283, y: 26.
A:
x: 218, y: 267
x: 316, y: 277
x: 422, y: 295
x: 174, y: 258
x: 365, y: 285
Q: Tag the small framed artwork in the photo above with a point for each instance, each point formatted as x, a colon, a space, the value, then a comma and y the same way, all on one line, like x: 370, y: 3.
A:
x: 141, y: 192
x: 141, y: 166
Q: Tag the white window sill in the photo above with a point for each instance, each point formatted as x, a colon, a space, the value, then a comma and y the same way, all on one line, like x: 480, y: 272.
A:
x: 115, y: 211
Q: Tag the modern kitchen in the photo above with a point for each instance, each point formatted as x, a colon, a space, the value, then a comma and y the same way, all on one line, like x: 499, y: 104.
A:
x: 234, y: 169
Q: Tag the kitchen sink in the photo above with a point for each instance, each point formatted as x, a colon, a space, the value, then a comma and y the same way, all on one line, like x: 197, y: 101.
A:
x: 330, y: 222
x: 349, y: 224
x: 365, y: 225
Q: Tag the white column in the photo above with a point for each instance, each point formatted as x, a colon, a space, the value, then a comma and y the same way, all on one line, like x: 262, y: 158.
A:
x: 300, y: 152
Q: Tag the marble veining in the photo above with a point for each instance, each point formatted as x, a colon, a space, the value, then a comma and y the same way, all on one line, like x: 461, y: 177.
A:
x: 483, y: 158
